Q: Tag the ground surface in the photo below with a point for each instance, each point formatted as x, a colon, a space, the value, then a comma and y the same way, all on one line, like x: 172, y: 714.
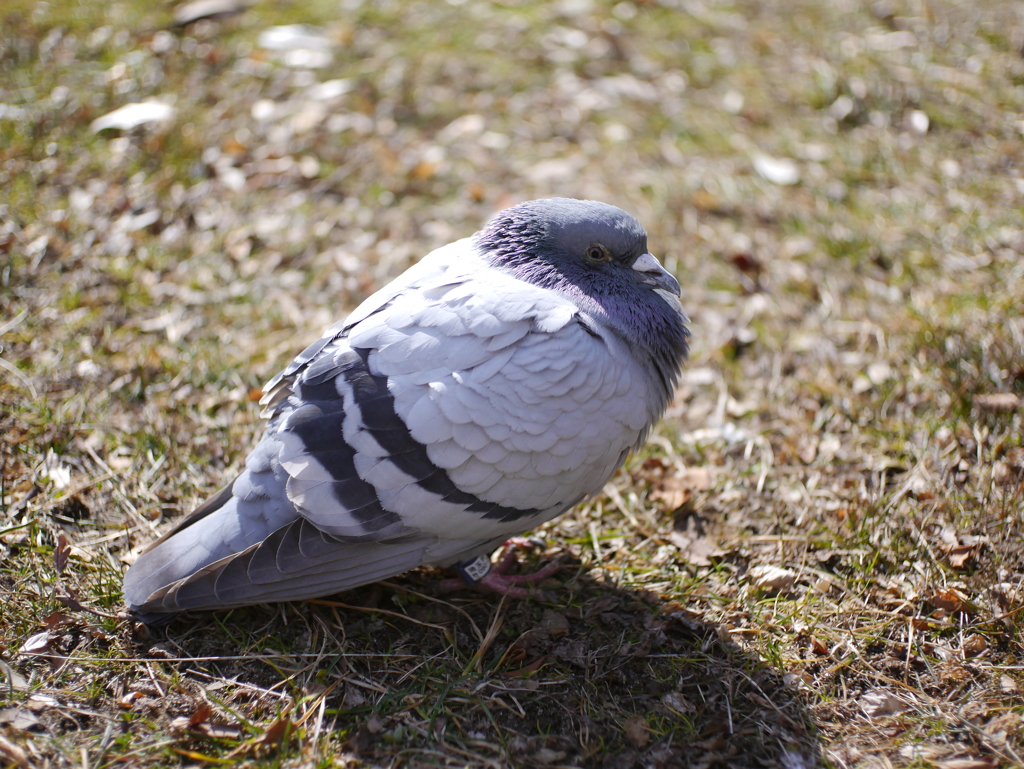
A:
x: 816, y: 561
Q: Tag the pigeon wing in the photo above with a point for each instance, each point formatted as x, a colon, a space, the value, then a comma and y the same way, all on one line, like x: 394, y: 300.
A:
x: 473, y: 408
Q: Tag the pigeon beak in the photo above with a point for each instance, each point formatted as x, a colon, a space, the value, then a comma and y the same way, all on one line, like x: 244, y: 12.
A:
x: 651, y: 273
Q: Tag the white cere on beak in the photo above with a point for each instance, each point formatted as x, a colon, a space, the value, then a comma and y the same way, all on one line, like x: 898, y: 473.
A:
x: 647, y: 263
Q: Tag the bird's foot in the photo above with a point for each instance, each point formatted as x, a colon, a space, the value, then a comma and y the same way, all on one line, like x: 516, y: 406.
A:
x: 508, y: 585
x: 483, y: 575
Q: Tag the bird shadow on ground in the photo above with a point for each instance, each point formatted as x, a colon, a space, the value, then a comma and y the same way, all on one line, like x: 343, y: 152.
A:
x: 608, y: 676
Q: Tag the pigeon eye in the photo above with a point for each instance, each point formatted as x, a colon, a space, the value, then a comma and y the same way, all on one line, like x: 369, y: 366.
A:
x: 598, y: 253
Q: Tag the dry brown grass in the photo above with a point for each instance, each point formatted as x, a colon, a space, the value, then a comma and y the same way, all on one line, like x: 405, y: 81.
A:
x: 816, y: 561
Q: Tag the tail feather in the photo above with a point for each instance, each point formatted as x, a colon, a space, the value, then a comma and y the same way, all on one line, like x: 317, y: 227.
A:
x: 234, y: 551
x: 220, y: 528
x: 255, y: 575
x: 295, y: 562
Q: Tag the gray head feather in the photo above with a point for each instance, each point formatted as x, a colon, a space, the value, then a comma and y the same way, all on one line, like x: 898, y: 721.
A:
x: 560, y: 228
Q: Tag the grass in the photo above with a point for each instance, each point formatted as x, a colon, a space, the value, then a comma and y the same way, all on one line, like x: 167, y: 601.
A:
x: 816, y: 560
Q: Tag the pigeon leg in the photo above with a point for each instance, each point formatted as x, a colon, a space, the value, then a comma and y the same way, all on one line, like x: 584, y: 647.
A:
x: 496, y: 578
x: 508, y: 585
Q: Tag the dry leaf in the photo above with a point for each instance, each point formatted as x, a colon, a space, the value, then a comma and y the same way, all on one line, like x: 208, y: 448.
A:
x: 1006, y: 595
x: 1015, y: 457
x: 636, y: 730
x: 697, y: 478
x: 40, y: 702
x: 944, y: 653
x: 218, y: 731
x: 748, y: 264
x: 959, y: 555
x: 129, y: 699
x: 354, y: 697
x: 878, y: 703
x: 774, y: 578
x: 547, y: 756
x: 704, y: 200
x: 677, y: 702
x: 997, y: 401
x: 807, y: 448
x: 975, y: 645
x: 601, y: 605
x: 676, y: 489
x: 277, y: 731
x: 161, y: 651
x: 21, y: 719
x: 923, y: 751
x: 798, y: 679
x: 60, y: 553
x: 37, y: 644
x: 690, y: 536
x: 966, y: 763
x: 951, y: 600
x: 555, y: 623
x: 201, y: 713
x: 425, y: 169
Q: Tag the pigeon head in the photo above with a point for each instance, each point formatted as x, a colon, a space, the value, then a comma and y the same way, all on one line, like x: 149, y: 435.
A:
x: 595, y: 254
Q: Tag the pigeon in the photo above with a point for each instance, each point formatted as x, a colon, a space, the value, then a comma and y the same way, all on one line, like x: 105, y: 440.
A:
x: 494, y: 385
